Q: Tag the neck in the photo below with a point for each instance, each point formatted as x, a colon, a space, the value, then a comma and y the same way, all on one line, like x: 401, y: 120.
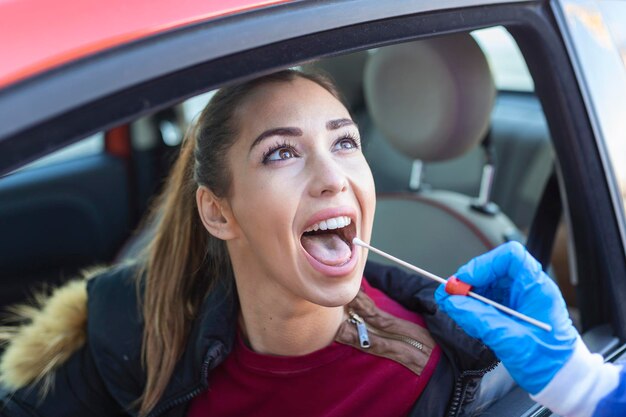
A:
x: 286, y: 327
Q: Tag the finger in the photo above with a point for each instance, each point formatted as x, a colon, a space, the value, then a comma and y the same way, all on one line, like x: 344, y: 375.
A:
x: 520, y: 265
x: 476, y: 318
x: 441, y: 294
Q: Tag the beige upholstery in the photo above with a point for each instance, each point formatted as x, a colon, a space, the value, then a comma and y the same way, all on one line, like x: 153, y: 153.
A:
x: 436, y: 230
x: 431, y: 99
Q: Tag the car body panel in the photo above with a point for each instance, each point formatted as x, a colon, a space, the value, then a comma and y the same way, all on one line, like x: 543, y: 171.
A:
x: 44, y: 33
x: 103, y: 25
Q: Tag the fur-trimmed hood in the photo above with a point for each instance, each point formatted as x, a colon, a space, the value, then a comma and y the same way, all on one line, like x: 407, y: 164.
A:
x: 51, y: 329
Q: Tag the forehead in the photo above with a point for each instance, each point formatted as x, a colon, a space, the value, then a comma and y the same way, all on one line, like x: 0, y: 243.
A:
x: 295, y: 102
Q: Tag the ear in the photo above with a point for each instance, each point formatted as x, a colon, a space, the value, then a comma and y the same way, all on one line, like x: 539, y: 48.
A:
x: 215, y: 214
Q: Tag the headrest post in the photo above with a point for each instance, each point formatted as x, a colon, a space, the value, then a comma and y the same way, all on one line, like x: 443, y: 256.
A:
x: 415, y: 181
x: 486, y: 185
x: 483, y: 203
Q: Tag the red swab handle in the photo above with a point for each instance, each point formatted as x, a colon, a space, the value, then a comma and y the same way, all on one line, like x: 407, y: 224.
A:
x: 455, y: 286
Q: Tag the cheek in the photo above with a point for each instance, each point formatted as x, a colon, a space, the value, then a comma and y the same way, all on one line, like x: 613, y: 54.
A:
x: 263, y: 202
x: 366, y: 194
x: 364, y: 182
x: 269, y: 187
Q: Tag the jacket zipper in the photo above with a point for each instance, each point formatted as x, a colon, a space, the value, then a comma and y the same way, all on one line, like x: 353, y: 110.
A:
x: 402, y: 338
x: 186, y: 397
x: 460, y: 388
x: 363, y: 328
x: 177, y: 401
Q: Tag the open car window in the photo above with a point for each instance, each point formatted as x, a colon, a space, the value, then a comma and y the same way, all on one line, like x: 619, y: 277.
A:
x: 92, y: 145
x: 505, y: 59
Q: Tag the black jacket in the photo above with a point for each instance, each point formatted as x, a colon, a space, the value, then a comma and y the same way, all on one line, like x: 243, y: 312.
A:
x: 105, y: 376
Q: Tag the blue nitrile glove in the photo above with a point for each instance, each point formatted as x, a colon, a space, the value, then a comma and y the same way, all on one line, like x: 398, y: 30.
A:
x: 511, y: 276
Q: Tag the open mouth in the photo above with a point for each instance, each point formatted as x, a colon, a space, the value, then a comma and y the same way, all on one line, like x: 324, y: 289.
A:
x: 330, y: 241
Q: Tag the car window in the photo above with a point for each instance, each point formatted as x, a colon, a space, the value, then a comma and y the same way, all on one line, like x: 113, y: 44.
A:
x: 91, y: 145
x: 505, y: 59
x: 598, y: 33
x: 194, y: 106
x: 615, y: 14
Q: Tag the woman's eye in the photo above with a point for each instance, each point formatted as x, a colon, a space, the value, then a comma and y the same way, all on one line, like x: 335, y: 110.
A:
x: 280, y: 154
x: 346, y: 144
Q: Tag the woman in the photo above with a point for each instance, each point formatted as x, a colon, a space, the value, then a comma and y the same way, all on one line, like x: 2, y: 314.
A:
x: 250, y: 291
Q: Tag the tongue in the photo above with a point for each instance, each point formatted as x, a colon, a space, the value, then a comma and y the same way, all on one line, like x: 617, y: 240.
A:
x: 328, y: 249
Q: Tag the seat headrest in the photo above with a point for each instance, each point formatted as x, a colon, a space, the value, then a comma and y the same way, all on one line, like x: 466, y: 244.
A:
x: 432, y: 99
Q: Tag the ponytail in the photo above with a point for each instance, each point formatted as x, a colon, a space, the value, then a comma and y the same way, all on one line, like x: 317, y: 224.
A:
x: 175, y: 275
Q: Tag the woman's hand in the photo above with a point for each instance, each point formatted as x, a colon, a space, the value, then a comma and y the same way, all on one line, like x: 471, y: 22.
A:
x: 511, y: 276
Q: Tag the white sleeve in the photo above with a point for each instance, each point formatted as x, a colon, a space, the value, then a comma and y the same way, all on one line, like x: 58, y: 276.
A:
x: 578, y: 387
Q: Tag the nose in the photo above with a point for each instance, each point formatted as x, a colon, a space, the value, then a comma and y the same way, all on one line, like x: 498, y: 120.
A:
x: 328, y: 177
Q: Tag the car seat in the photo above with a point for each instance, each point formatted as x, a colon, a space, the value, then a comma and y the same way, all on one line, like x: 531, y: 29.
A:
x: 432, y: 100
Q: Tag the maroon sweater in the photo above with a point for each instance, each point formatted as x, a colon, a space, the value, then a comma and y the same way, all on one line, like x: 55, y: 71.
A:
x: 337, y: 380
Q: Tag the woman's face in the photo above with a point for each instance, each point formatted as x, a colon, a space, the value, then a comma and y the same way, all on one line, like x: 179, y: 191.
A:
x: 297, y: 166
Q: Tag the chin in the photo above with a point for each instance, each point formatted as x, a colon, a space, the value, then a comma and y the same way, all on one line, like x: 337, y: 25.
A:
x: 339, y: 293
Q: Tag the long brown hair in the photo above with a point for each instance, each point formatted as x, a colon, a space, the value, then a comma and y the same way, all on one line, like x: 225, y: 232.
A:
x: 183, y: 261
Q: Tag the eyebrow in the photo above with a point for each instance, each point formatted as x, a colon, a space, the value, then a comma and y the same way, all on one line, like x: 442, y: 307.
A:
x: 279, y: 131
x: 339, y: 123
x: 294, y: 131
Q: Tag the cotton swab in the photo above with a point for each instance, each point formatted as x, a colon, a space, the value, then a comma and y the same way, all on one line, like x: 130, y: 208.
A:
x: 455, y: 286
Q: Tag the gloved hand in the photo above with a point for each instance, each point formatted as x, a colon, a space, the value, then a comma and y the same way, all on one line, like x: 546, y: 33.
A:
x: 511, y: 276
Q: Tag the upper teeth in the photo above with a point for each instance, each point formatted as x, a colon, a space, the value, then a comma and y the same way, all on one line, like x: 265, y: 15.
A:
x: 334, y: 223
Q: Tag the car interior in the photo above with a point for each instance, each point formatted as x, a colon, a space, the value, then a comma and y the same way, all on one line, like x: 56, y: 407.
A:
x: 460, y: 163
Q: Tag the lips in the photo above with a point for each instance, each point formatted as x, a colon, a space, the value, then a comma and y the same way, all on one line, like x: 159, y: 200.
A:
x: 327, y: 241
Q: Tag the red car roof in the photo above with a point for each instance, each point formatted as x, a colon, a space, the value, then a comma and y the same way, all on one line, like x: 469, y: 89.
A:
x: 38, y: 35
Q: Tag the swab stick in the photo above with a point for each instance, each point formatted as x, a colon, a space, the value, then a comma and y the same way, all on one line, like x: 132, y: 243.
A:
x: 458, y: 287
